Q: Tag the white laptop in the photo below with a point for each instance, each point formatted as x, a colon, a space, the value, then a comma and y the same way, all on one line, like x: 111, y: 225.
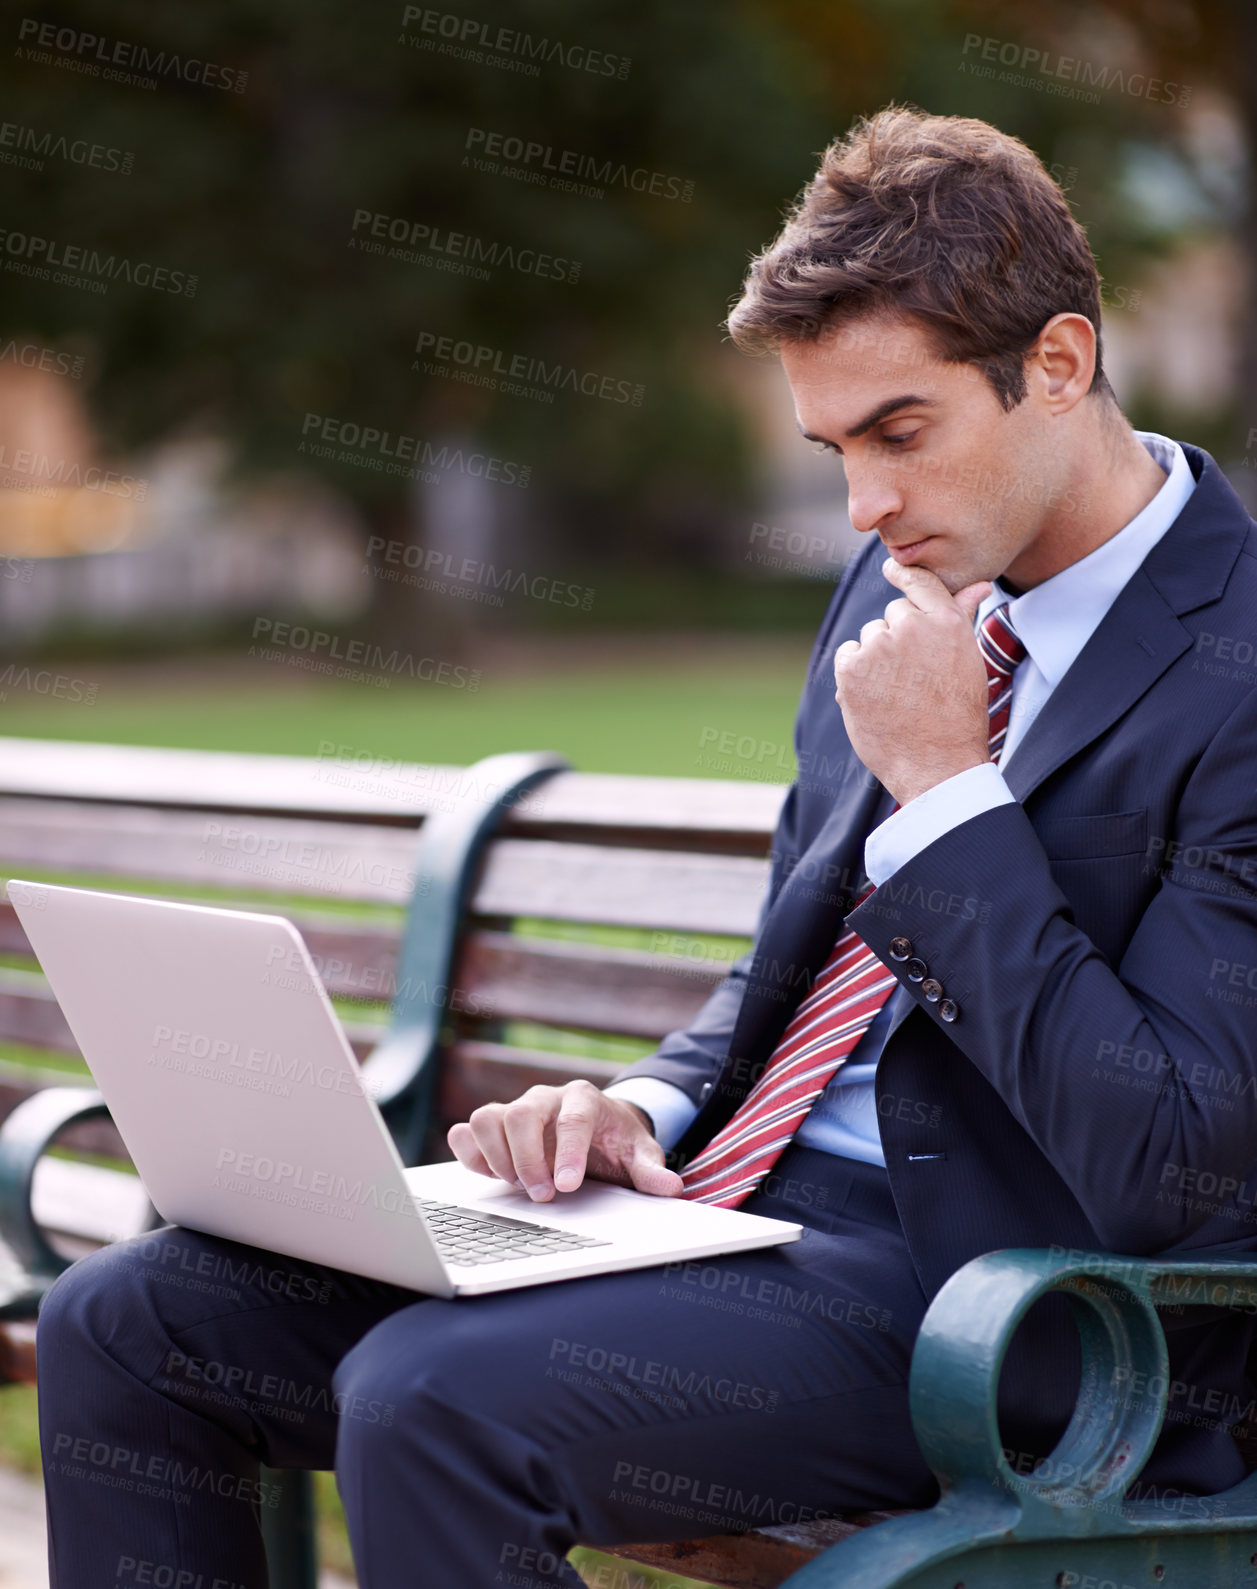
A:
x: 238, y: 1096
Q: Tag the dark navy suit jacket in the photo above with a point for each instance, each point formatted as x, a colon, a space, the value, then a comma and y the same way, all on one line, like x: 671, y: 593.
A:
x: 1097, y: 1087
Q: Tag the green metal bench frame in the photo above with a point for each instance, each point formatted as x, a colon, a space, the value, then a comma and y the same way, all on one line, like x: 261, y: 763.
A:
x: 1073, y: 1522
x: 1069, y: 1523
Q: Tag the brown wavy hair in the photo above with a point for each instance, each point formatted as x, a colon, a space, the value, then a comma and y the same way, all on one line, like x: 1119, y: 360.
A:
x: 941, y: 218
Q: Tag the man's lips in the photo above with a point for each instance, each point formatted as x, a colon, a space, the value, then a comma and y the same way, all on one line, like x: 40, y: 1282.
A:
x: 908, y: 550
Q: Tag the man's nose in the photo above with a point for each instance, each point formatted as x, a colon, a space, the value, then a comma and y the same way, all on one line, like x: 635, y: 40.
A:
x: 871, y: 500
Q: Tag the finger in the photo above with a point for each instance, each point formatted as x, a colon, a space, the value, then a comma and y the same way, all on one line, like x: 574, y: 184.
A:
x: 897, y: 611
x: 573, y: 1132
x: 486, y: 1128
x: 847, y: 649
x: 463, y: 1146
x: 972, y: 597
x: 922, y: 586
x: 873, y: 627
x: 648, y: 1172
x: 525, y: 1122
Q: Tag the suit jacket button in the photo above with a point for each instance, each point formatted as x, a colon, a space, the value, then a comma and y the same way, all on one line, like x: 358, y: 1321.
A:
x: 933, y: 989
x: 916, y: 969
x: 705, y: 1091
x: 948, y: 1010
x: 900, y: 948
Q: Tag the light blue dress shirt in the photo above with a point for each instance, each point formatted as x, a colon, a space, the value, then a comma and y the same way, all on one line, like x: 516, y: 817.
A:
x: 1055, y: 620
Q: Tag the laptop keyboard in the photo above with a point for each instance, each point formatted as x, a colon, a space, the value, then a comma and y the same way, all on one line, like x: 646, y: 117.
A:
x: 466, y: 1237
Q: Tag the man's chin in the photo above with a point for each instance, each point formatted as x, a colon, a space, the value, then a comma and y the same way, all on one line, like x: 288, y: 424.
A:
x: 957, y: 582
x: 950, y: 579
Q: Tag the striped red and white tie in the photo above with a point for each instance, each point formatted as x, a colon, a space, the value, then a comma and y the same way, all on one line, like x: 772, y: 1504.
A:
x: 849, y: 990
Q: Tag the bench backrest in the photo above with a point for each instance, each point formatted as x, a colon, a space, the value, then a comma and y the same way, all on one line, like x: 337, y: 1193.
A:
x: 607, y: 908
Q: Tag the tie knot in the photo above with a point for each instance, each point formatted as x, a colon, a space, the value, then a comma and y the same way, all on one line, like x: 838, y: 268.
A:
x: 1000, y: 643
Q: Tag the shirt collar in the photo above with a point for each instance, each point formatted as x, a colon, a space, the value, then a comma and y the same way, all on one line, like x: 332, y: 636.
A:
x: 1057, y: 618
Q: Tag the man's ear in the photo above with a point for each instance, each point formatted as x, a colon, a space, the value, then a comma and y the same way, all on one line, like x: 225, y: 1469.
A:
x: 1063, y: 360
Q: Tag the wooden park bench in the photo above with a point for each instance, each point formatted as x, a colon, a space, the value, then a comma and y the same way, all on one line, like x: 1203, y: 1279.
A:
x: 487, y: 880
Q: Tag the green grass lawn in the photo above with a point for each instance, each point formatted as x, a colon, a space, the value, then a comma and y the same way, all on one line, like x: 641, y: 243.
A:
x: 639, y: 717
x: 648, y: 716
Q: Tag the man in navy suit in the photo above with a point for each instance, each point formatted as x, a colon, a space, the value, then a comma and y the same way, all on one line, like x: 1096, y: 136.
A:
x: 1062, y: 1059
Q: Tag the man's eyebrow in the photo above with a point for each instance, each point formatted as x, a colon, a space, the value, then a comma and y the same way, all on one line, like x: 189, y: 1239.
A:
x: 892, y: 405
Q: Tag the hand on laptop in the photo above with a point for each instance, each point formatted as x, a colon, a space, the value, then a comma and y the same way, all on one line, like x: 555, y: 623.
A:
x: 550, y: 1138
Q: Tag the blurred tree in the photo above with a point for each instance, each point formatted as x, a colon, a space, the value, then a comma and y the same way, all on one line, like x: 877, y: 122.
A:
x: 346, y: 111
x: 256, y: 194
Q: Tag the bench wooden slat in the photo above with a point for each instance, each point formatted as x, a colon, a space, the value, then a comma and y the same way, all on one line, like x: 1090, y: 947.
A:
x: 478, y: 1072
x: 356, y: 960
x: 265, y: 855
x: 220, y: 780
x: 725, y: 817
x: 17, y: 1352
x: 30, y: 1015
x: 568, y: 882
x: 383, y: 792
x: 624, y: 888
x: 759, y: 1559
x: 628, y: 992
x: 13, y: 940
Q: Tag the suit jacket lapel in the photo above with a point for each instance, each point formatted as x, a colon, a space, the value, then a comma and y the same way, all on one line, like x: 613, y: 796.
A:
x: 1139, y: 637
x: 1141, y: 634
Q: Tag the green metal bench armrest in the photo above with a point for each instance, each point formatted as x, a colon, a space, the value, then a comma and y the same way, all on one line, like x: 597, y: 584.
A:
x: 401, y: 1070
x: 25, y: 1135
x: 960, y: 1351
x: 1079, y: 1492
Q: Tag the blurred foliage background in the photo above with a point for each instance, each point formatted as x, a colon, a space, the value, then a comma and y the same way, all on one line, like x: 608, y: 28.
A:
x: 215, y: 404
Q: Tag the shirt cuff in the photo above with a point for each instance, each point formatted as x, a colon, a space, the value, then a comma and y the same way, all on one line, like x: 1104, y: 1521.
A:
x: 670, y: 1109
x: 907, y: 831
